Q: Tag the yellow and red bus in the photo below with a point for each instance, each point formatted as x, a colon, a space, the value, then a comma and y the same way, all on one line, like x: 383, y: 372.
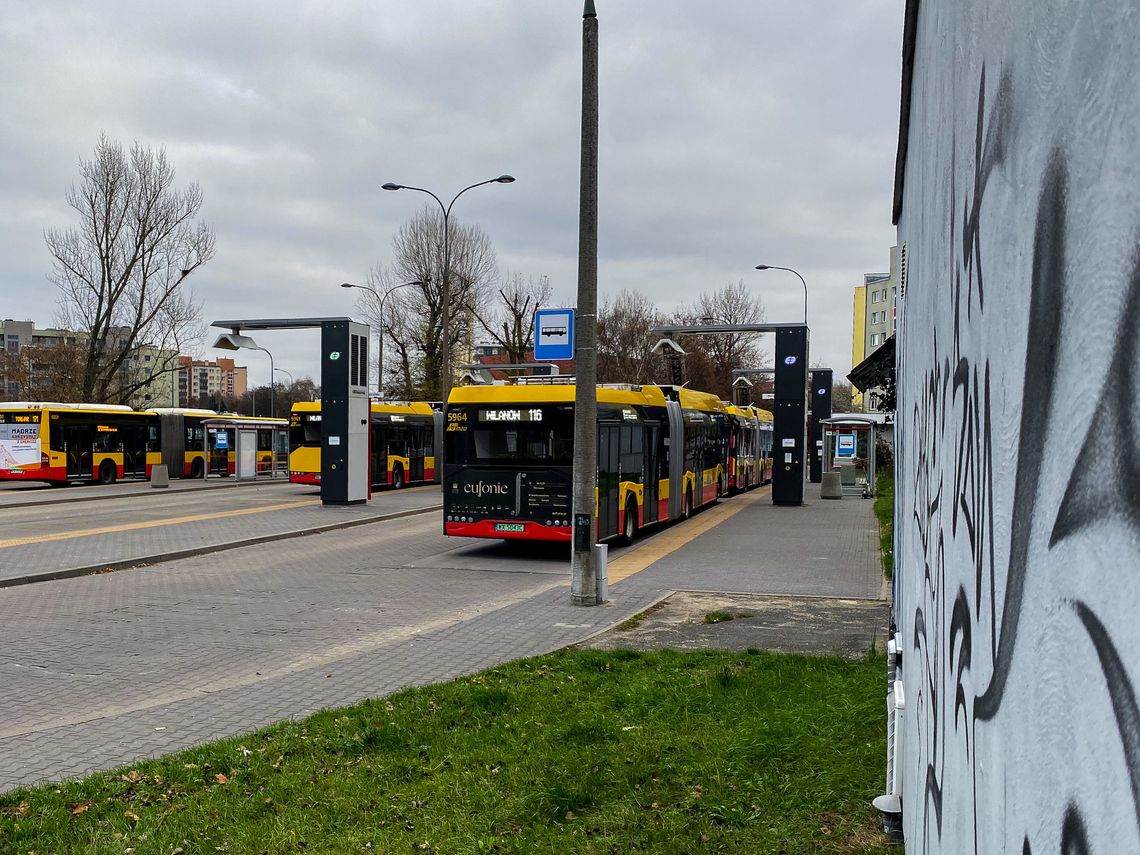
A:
x: 402, y: 443
x: 203, y: 441
x: 662, y: 453
x: 62, y: 443
x: 749, y: 447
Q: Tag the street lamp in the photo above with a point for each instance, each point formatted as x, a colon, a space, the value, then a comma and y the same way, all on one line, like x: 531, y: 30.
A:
x: 380, y: 343
x: 789, y: 270
x: 236, y: 341
x: 286, y: 373
x: 445, y: 286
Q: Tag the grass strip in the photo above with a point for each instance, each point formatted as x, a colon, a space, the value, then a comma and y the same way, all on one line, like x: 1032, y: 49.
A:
x: 578, y: 752
x: 885, y: 511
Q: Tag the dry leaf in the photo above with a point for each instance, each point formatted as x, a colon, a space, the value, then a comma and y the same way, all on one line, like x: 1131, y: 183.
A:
x: 131, y: 815
x: 133, y: 776
x: 80, y: 807
x: 221, y: 779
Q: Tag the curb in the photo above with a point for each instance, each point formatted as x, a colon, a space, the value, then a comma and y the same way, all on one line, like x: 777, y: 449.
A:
x: 147, y: 560
x: 136, y: 493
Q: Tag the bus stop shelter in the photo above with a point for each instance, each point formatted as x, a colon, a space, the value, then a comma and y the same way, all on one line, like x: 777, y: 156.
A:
x: 258, y: 448
x: 849, y: 446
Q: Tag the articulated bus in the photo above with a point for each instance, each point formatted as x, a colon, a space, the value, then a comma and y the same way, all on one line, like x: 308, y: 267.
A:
x: 198, y: 448
x: 749, y: 447
x: 402, y: 443
x: 61, y: 443
x: 662, y: 453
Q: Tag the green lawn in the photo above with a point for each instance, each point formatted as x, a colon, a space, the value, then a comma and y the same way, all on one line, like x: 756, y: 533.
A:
x: 884, y: 510
x: 576, y: 752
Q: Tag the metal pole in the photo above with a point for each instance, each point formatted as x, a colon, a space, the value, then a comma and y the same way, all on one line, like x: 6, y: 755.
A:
x: 789, y: 270
x: 583, y: 570
x: 272, y: 393
x: 445, y: 285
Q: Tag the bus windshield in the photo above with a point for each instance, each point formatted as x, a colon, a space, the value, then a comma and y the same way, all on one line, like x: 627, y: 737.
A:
x: 305, y: 429
x: 504, y: 434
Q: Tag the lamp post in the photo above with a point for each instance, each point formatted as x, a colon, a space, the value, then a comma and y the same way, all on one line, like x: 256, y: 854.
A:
x: 445, y: 285
x: 789, y: 270
x: 380, y: 343
x: 236, y: 341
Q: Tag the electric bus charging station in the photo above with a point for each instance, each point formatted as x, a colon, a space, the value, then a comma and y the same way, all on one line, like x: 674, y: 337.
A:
x: 789, y: 425
x: 820, y: 410
x: 344, y: 400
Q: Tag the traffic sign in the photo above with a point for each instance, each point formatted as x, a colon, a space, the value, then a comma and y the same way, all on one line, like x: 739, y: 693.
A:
x: 553, y: 334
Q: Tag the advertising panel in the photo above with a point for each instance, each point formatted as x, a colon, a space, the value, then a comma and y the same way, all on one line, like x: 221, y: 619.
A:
x: 19, y: 445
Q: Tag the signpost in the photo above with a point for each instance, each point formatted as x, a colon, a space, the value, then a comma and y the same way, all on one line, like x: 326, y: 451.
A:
x: 553, y: 334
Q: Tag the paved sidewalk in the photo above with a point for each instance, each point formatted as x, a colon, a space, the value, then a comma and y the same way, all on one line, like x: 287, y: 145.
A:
x: 104, y: 670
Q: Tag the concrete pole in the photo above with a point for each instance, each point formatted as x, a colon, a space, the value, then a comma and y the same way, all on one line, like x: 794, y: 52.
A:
x: 583, y: 572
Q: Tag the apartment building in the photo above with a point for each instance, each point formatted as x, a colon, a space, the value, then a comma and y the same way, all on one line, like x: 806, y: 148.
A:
x: 874, y: 315
x: 220, y: 377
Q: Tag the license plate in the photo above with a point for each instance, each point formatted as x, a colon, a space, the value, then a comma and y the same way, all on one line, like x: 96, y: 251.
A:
x: 510, y: 527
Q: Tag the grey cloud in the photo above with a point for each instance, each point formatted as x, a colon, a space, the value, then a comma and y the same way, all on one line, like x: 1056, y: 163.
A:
x: 731, y: 133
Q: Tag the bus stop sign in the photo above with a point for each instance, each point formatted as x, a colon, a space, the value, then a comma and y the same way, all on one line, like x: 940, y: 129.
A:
x: 553, y: 334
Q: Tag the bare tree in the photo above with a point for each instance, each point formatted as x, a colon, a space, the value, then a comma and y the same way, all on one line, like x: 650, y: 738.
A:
x: 120, y: 271
x: 510, y: 319
x: 417, y: 321
x: 624, y: 339
x: 713, y: 358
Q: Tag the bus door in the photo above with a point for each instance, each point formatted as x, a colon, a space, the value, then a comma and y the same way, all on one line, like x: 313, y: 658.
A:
x: 609, y: 477
x: 134, y: 438
x: 676, y: 451
x: 651, y: 476
x: 418, y: 438
x: 78, y: 441
x: 379, y: 460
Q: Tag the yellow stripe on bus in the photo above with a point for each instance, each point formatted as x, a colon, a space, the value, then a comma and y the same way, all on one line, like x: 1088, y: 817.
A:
x: 637, y: 559
x: 110, y: 529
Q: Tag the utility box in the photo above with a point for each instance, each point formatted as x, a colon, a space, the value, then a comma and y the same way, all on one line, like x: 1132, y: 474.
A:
x: 344, y: 412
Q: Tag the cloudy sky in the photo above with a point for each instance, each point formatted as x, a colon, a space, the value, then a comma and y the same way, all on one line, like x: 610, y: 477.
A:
x: 732, y: 133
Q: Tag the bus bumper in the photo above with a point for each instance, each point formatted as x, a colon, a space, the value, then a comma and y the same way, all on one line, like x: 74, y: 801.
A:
x: 305, y: 478
x: 489, y: 529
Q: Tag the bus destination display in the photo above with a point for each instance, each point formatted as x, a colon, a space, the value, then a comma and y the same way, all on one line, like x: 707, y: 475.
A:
x: 508, y: 415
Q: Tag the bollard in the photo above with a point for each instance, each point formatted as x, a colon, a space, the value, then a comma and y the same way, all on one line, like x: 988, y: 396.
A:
x: 601, y: 571
x: 831, y: 487
x: 159, y: 476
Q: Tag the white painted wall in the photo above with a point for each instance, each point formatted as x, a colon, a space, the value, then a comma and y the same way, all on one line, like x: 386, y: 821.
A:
x: 1018, y: 497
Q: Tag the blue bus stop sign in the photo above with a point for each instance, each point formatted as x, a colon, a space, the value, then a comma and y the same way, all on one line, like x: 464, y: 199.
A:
x: 553, y: 334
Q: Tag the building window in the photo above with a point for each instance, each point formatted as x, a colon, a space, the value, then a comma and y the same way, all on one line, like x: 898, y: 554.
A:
x: 874, y: 339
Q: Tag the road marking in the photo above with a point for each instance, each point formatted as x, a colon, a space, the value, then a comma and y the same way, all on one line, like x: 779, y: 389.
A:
x: 670, y: 541
x: 111, y: 529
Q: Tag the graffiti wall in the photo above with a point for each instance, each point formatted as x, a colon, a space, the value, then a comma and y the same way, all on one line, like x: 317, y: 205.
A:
x: 1017, y: 594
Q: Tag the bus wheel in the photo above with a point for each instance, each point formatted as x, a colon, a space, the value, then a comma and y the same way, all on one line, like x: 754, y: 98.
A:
x: 629, y: 529
x: 397, y: 477
x: 106, y: 472
x: 197, y: 467
x: 687, y: 508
